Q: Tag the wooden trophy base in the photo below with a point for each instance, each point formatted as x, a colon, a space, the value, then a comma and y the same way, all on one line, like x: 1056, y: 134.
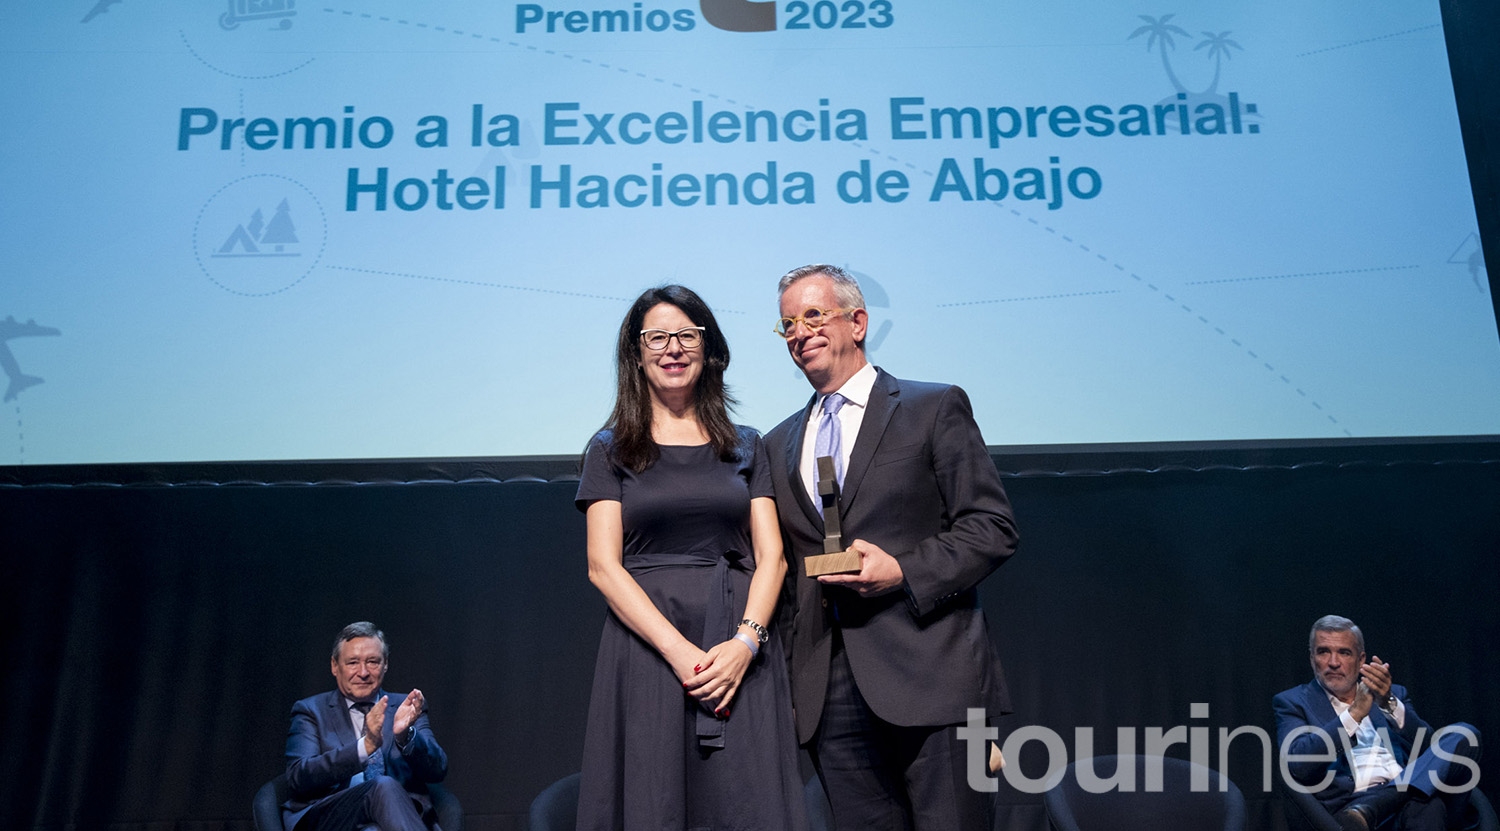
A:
x: 839, y: 562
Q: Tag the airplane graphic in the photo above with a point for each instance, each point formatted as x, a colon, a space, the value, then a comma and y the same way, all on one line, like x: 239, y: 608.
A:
x: 99, y: 8
x: 9, y: 328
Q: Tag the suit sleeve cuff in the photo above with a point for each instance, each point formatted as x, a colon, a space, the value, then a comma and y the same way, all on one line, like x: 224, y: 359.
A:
x: 911, y: 598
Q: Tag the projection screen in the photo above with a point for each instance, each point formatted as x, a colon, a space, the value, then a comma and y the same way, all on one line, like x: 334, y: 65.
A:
x: 266, y: 230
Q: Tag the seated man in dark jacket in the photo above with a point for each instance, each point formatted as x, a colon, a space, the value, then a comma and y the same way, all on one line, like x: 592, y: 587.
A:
x: 358, y: 755
x: 1352, y: 739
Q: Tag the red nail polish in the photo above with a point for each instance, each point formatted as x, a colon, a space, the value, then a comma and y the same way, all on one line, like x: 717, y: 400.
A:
x: 697, y: 668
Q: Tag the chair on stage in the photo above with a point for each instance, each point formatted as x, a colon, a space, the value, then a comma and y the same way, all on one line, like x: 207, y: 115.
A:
x: 1178, y: 805
x: 266, y: 807
x: 556, y: 807
x: 1303, y: 812
x: 267, y: 804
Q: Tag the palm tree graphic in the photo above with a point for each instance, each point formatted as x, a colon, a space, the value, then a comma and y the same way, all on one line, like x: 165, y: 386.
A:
x: 1218, y: 52
x: 1220, y: 48
x: 1158, y: 29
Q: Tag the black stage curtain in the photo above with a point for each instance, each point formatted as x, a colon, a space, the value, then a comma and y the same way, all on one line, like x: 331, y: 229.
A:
x: 155, y: 635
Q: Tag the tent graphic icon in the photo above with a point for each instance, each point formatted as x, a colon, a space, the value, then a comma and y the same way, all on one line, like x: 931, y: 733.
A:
x: 258, y: 238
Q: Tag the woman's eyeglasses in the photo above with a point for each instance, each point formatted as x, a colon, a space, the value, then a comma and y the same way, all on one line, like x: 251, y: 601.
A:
x: 656, y: 340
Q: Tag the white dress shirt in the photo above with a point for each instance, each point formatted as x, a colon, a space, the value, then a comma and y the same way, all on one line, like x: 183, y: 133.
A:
x: 1374, y: 764
x: 358, y: 719
x: 856, y: 392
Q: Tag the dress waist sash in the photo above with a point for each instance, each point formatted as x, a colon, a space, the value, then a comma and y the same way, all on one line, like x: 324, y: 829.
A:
x: 716, y: 623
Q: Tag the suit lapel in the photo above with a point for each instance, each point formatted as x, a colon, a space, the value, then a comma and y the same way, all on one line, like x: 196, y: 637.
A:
x: 1317, y: 702
x: 885, y: 396
x: 794, y: 468
x: 338, y: 714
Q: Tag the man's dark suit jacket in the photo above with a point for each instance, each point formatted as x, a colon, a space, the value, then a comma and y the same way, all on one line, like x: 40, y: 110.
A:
x: 1308, y: 705
x: 322, y: 753
x: 921, y: 485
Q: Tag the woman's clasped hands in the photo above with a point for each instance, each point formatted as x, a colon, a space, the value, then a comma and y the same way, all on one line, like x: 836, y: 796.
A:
x: 715, y: 675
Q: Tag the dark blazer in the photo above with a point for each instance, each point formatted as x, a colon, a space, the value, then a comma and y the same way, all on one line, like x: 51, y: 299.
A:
x: 1308, y: 705
x: 322, y: 753
x: 921, y: 485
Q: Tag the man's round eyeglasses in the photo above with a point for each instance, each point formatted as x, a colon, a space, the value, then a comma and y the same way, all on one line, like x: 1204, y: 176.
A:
x: 657, y: 339
x: 813, y: 319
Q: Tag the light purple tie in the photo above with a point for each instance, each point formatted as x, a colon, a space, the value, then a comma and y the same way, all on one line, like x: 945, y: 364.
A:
x: 829, y: 441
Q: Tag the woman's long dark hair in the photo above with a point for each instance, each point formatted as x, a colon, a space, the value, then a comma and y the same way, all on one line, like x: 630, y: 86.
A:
x: 630, y: 422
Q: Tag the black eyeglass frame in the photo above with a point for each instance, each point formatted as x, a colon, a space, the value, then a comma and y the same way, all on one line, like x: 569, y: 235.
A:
x: 701, y: 330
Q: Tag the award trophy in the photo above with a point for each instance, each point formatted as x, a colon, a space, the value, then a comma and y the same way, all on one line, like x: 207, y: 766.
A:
x: 834, y: 559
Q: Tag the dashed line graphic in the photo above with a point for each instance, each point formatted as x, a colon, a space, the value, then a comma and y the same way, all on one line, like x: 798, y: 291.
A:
x: 20, y: 437
x: 479, y: 283
x: 1024, y: 299
x: 1179, y: 306
x: 194, y: 52
x: 528, y: 47
x: 431, y: 278
x: 1301, y: 274
x: 1370, y: 40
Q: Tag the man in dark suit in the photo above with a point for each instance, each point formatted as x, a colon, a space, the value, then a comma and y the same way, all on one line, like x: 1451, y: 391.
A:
x: 886, y: 661
x: 358, y: 755
x: 1352, y: 738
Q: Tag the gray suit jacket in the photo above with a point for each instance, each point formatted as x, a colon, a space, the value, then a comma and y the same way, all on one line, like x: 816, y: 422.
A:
x: 921, y: 485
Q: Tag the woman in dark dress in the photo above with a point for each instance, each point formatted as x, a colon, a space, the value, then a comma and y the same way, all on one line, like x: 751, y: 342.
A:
x: 690, y: 723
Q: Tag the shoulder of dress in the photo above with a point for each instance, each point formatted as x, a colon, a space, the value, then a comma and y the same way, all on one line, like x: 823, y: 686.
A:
x: 747, y: 439
x: 746, y: 432
x: 603, y: 440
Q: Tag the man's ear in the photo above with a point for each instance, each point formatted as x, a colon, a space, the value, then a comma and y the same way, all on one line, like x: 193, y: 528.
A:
x: 861, y: 320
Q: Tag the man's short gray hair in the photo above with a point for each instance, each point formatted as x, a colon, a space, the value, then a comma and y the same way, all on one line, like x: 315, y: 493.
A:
x: 1334, y: 623
x: 361, y: 629
x: 845, y: 287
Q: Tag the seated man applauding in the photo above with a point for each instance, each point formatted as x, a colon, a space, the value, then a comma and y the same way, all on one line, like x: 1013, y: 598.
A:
x: 1352, y: 739
x: 357, y: 755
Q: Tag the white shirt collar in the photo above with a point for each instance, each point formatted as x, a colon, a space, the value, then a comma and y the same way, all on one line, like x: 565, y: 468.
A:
x: 856, y: 390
